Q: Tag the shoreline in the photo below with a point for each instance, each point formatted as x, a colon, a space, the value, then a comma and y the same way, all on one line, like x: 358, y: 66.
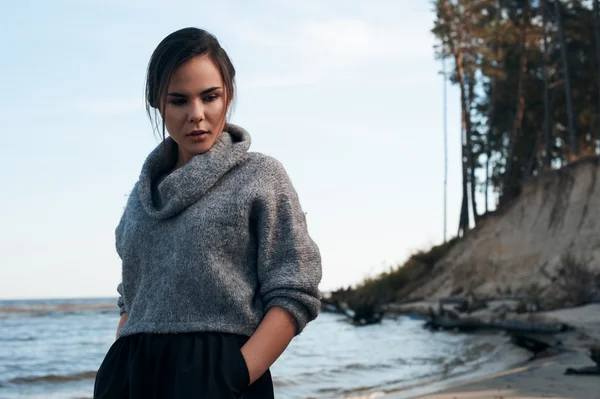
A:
x: 509, y: 358
x: 541, y: 378
x: 504, y: 356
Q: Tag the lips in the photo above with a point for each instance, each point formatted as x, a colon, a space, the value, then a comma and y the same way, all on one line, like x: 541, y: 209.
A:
x: 197, y: 133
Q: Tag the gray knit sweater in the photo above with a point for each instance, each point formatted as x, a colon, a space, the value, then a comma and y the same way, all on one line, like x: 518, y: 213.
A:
x: 214, y: 244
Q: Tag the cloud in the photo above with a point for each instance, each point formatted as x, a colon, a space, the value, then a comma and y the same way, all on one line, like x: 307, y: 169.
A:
x: 109, y: 107
x: 301, y: 78
x: 345, y: 40
x: 333, y: 48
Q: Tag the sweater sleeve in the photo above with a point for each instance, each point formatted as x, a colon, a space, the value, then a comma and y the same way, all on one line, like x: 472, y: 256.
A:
x: 120, y: 301
x: 118, y: 242
x: 289, y: 262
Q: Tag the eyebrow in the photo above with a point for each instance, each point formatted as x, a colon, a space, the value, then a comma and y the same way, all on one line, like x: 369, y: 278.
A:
x: 175, y: 94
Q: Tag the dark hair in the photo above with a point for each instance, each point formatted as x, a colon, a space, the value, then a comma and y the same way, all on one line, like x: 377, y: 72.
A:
x: 173, y: 51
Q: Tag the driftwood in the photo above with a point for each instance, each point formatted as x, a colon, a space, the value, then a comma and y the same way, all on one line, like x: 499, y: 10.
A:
x: 360, y: 315
x: 364, y: 314
x: 464, y: 324
x: 471, y: 307
x: 593, y: 370
x: 468, y: 304
x: 442, y: 322
x: 455, y: 300
x: 535, y: 343
x: 360, y: 311
x: 364, y: 319
x: 448, y: 320
x: 595, y: 355
x: 331, y: 308
x: 517, y: 326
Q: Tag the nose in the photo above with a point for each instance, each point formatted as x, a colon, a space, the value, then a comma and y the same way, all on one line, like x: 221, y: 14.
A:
x: 196, y: 111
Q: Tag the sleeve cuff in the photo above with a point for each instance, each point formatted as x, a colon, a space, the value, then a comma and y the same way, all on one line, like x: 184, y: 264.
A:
x: 120, y: 301
x: 121, y: 305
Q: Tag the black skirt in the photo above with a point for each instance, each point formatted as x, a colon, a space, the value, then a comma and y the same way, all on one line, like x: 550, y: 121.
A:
x: 178, y: 366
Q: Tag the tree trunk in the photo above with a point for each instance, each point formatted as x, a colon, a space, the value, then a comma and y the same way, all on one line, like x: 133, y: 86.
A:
x: 458, y: 58
x: 547, y: 135
x: 568, y: 91
x: 487, y: 177
x: 488, y: 147
x: 510, y: 182
x: 471, y: 155
x: 466, y: 130
x: 464, y: 212
x: 463, y: 224
x: 492, y: 112
x: 445, y: 146
x: 464, y: 221
x: 532, y: 158
x: 597, y: 30
x: 470, y: 101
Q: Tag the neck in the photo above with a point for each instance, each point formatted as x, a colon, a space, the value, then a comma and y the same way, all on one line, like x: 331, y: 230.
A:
x: 182, y: 159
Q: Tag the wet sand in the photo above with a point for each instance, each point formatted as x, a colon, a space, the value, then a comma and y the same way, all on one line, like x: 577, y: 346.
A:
x: 541, y: 378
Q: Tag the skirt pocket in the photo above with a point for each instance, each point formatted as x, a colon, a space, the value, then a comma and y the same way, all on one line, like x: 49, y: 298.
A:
x: 238, y: 369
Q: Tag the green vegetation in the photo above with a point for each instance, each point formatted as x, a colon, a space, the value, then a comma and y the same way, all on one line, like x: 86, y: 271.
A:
x: 529, y: 78
x: 529, y: 75
x: 579, y: 283
x: 400, y: 281
x: 395, y: 284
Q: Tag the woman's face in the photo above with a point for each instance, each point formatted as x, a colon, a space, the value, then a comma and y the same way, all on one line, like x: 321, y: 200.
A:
x: 195, y: 108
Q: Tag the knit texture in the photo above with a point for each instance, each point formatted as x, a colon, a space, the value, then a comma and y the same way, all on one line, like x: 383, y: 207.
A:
x: 215, y: 244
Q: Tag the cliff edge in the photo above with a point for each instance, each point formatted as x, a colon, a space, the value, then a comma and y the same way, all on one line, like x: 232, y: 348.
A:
x: 545, y: 245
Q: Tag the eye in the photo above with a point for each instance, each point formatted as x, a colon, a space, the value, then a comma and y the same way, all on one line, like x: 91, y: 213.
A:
x: 177, y: 101
x: 210, y: 98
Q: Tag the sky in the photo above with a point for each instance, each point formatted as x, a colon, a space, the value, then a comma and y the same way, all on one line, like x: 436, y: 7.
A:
x: 346, y: 94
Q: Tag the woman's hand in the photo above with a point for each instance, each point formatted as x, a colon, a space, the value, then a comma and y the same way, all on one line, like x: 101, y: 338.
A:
x: 121, y: 322
x: 268, y: 342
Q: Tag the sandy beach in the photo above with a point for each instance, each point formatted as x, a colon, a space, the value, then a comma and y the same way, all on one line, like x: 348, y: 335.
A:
x: 541, y: 378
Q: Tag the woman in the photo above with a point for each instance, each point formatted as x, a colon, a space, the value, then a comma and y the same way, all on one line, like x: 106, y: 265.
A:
x: 219, y: 272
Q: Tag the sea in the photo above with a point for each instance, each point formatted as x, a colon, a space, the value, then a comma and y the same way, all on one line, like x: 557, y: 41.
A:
x: 51, y: 349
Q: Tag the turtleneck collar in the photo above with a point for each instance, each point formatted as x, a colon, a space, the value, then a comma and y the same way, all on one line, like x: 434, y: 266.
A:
x: 186, y: 185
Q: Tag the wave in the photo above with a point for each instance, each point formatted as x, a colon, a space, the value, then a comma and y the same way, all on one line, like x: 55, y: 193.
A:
x: 18, y: 339
x: 44, y: 309
x: 350, y: 367
x: 280, y: 382
x: 52, y: 378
